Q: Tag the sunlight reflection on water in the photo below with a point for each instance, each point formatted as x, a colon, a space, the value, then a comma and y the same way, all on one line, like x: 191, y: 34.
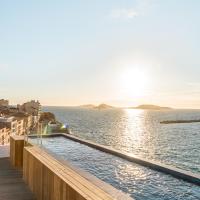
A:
x: 138, y: 181
x: 132, y: 134
x: 139, y: 132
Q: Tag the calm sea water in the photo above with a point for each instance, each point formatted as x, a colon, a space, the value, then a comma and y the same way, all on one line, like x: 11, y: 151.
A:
x: 139, y: 132
x: 137, y: 181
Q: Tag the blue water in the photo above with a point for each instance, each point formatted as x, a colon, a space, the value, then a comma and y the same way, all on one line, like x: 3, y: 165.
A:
x: 137, y: 181
x: 139, y: 132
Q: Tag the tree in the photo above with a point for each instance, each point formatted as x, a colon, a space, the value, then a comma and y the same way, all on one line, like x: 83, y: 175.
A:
x: 47, y: 117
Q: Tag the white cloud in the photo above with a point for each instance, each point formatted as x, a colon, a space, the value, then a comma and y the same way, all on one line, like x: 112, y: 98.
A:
x: 141, y: 8
x: 124, y: 13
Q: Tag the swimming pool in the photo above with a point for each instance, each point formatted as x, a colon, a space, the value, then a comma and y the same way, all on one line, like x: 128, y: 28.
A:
x: 137, y: 181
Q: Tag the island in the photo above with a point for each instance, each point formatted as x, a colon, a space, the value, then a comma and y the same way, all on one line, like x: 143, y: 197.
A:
x: 99, y: 107
x: 103, y: 106
x: 87, y: 106
x: 151, y: 107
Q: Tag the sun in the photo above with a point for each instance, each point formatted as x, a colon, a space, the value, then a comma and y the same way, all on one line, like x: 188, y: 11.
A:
x: 133, y: 83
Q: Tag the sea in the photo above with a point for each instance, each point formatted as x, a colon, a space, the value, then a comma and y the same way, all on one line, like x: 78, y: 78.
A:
x: 139, y: 132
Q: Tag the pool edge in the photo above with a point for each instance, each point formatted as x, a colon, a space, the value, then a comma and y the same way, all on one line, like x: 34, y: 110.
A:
x: 167, y: 169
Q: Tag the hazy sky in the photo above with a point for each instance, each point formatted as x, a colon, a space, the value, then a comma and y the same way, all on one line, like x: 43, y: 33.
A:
x: 66, y: 52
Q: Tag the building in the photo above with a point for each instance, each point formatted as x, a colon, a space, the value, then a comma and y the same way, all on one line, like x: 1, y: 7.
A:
x: 18, y: 120
x: 13, y: 109
x: 11, y: 123
x: 24, y: 122
x: 4, y: 134
x: 4, y: 111
x: 16, y: 124
x: 32, y: 108
x: 4, y: 103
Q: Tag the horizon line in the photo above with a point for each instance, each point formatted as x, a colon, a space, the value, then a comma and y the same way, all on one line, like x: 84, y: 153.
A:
x: 123, y: 107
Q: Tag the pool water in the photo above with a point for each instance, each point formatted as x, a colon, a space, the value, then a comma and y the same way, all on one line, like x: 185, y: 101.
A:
x: 137, y: 181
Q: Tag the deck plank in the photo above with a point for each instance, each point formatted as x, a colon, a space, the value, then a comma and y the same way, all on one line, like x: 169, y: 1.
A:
x: 4, y: 151
x: 12, y: 186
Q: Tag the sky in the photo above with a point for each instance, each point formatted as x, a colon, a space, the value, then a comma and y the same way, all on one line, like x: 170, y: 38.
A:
x: 119, y: 52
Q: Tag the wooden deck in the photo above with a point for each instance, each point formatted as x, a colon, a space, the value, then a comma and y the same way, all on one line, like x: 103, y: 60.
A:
x: 4, y: 151
x: 12, y: 186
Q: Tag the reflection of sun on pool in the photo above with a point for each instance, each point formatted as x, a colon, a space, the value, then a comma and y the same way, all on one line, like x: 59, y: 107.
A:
x: 133, y: 83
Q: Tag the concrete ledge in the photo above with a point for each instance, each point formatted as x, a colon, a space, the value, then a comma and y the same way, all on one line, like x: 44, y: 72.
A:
x: 178, y: 173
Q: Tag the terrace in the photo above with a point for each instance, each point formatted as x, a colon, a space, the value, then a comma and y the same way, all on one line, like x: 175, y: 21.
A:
x: 29, y: 172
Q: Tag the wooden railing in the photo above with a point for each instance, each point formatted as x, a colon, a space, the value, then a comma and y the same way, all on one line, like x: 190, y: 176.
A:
x: 51, y: 180
x: 16, y: 151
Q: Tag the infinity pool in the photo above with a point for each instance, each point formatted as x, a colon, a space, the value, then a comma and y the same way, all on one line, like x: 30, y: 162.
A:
x: 139, y: 182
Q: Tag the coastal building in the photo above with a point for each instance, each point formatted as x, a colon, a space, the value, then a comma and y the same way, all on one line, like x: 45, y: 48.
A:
x: 9, y: 126
x: 17, y: 124
x: 4, y: 134
x: 13, y: 109
x: 20, y: 126
x: 24, y: 122
x: 18, y: 120
x: 8, y: 110
x: 33, y: 108
x: 4, y: 111
x: 4, y: 103
x: 11, y: 123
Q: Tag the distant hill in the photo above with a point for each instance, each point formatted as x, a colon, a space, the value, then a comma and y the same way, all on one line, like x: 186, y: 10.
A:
x: 100, y: 106
x: 88, y: 106
x: 143, y: 106
x: 103, y: 106
x: 151, y: 107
